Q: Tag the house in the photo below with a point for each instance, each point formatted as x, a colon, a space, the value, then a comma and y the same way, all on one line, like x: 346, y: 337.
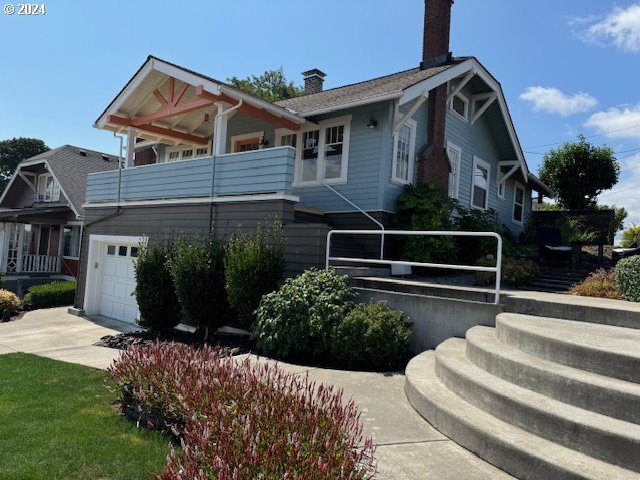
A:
x: 223, y: 159
x: 41, y: 213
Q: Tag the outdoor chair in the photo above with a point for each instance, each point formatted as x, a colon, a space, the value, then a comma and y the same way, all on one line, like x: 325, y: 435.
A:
x: 631, y: 250
x: 551, y: 246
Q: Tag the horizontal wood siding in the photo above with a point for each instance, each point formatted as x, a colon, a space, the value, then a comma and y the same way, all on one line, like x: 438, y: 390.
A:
x: 162, y: 223
x: 305, y: 247
x: 363, y: 174
x: 262, y: 171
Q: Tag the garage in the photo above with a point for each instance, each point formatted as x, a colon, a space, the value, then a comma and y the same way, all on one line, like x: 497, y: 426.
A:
x: 110, y: 288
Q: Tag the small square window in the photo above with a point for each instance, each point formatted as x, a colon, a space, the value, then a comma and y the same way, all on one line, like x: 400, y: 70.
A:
x: 134, y: 252
x: 122, y: 251
x: 460, y: 105
x: 111, y: 250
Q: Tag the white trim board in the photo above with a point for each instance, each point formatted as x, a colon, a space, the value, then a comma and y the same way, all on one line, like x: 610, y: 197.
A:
x: 195, y: 201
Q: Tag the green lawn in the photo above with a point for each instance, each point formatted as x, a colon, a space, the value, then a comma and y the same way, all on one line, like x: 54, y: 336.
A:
x: 58, y: 421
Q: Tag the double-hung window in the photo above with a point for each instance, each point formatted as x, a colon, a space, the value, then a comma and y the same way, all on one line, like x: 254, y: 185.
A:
x: 321, y: 153
x: 518, y: 202
x: 48, y: 189
x: 186, y: 152
x: 404, y: 153
x: 71, y: 241
x: 480, y: 184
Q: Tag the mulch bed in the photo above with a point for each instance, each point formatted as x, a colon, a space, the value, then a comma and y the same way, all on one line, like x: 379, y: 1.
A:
x: 234, y: 344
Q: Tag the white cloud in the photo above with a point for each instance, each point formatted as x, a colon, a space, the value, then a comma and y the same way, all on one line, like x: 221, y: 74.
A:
x: 552, y: 100
x: 621, y: 122
x: 620, y: 28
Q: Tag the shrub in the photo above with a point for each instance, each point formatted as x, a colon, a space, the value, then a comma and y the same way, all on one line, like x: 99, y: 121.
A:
x: 630, y: 235
x: 601, y: 283
x: 628, y: 278
x: 242, y: 420
x: 54, y: 294
x: 373, y: 337
x: 514, y: 272
x: 254, y: 265
x: 471, y: 249
x: 155, y: 293
x: 425, y: 208
x: 197, y: 270
x: 9, y: 301
x: 296, y: 322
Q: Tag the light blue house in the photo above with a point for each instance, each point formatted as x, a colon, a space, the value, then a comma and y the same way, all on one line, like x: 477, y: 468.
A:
x: 202, y: 156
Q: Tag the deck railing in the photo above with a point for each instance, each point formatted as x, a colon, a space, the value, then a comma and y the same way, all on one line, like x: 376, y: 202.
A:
x: 40, y: 264
x: 423, y: 233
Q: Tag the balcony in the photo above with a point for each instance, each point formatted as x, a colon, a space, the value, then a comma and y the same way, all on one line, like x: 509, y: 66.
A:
x: 257, y: 172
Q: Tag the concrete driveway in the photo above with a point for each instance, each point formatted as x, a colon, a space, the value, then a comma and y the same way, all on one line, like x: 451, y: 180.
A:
x: 408, y: 447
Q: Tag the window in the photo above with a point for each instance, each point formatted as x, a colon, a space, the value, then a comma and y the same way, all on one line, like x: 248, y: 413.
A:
x: 321, y: 153
x: 403, y: 153
x: 459, y: 104
x: 186, y: 152
x: 480, y: 184
x: 501, y: 190
x: 71, y: 241
x: 48, y: 189
x: 518, y: 202
x: 111, y: 250
x: 455, y: 155
x: 247, y: 142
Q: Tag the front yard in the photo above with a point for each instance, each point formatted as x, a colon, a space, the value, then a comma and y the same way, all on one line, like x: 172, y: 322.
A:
x: 58, y: 421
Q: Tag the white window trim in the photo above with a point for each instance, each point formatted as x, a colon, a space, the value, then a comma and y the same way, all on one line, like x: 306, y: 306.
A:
x: 322, y: 126
x: 466, y: 107
x: 70, y: 225
x: 517, y: 185
x: 55, y: 196
x: 500, y: 194
x: 456, y: 148
x: 246, y: 136
x: 413, y: 125
x: 478, y: 161
x: 181, y: 148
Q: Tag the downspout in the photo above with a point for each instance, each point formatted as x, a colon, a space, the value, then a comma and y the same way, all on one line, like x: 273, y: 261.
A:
x: 221, y: 113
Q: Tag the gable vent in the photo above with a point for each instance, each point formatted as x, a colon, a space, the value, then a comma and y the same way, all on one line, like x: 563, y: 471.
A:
x: 82, y: 152
x: 105, y: 157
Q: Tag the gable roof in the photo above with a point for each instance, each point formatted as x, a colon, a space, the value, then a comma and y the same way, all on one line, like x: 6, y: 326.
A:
x: 374, y: 90
x: 70, y: 168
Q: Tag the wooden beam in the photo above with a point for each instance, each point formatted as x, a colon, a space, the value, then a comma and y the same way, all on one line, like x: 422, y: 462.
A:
x: 159, y: 97
x: 250, y: 110
x: 171, y: 111
x: 490, y: 98
x: 461, y: 85
x: 163, y: 132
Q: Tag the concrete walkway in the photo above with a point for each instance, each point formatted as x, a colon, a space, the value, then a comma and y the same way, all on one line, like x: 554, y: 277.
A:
x: 408, y: 447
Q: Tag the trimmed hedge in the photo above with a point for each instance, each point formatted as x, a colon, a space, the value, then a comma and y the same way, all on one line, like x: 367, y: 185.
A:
x: 54, y: 294
x: 628, y: 278
x: 9, y: 301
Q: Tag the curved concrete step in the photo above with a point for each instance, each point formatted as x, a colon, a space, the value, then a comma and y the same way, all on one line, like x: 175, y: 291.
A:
x: 520, y: 453
x: 598, y: 393
x: 608, y: 439
x: 603, y: 349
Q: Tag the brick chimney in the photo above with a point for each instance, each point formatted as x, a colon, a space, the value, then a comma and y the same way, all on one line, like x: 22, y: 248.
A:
x: 433, y: 165
x: 313, y: 80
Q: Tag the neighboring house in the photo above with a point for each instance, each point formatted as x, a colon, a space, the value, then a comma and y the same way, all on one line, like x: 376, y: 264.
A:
x: 223, y: 159
x: 41, y: 214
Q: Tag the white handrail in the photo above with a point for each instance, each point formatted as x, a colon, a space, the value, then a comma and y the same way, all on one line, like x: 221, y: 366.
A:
x: 497, y: 269
x: 362, y: 212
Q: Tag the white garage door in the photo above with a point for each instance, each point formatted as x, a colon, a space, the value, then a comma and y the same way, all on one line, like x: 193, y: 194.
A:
x: 118, y: 283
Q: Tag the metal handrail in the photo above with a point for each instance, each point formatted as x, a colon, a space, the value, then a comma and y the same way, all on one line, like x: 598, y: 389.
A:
x: 497, y: 269
x: 362, y: 212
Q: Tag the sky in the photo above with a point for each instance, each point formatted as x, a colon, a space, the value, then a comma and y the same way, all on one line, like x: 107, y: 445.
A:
x: 566, y: 67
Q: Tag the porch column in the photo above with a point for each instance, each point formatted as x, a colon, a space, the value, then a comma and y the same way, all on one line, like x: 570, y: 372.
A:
x: 131, y: 145
x: 220, y: 131
x: 21, y: 248
x: 4, y: 246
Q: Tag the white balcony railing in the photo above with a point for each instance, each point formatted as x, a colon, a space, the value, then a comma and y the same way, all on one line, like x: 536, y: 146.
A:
x: 40, y: 264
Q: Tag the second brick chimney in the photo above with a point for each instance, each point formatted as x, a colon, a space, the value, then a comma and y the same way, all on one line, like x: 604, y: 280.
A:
x: 433, y: 166
x: 313, y: 81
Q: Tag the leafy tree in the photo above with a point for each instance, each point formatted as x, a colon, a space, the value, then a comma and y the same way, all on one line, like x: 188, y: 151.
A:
x: 270, y: 86
x: 13, y: 152
x: 620, y: 214
x: 578, y: 172
x: 630, y: 235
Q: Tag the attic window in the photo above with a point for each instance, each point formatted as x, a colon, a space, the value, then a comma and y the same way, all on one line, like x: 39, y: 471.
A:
x: 460, y: 106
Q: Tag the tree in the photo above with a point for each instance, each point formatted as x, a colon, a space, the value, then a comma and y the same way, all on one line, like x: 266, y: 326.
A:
x: 13, y: 152
x: 270, y: 86
x: 578, y: 172
x: 620, y: 214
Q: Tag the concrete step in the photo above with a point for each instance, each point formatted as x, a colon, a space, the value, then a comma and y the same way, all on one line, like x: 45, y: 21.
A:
x: 598, y: 393
x: 525, y: 455
x: 603, y: 349
x: 608, y: 439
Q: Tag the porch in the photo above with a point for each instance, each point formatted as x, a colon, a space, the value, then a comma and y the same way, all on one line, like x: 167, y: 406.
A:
x: 257, y: 172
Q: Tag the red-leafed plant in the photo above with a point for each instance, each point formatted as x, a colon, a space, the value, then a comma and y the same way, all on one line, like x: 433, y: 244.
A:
x: 240, y: 420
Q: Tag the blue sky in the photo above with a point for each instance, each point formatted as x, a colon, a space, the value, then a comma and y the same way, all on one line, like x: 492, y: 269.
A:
x: 566, y: 67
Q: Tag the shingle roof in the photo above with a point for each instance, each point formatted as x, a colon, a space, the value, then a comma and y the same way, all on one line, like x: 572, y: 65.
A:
x: 377, y: 87
x: 71, y: 169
